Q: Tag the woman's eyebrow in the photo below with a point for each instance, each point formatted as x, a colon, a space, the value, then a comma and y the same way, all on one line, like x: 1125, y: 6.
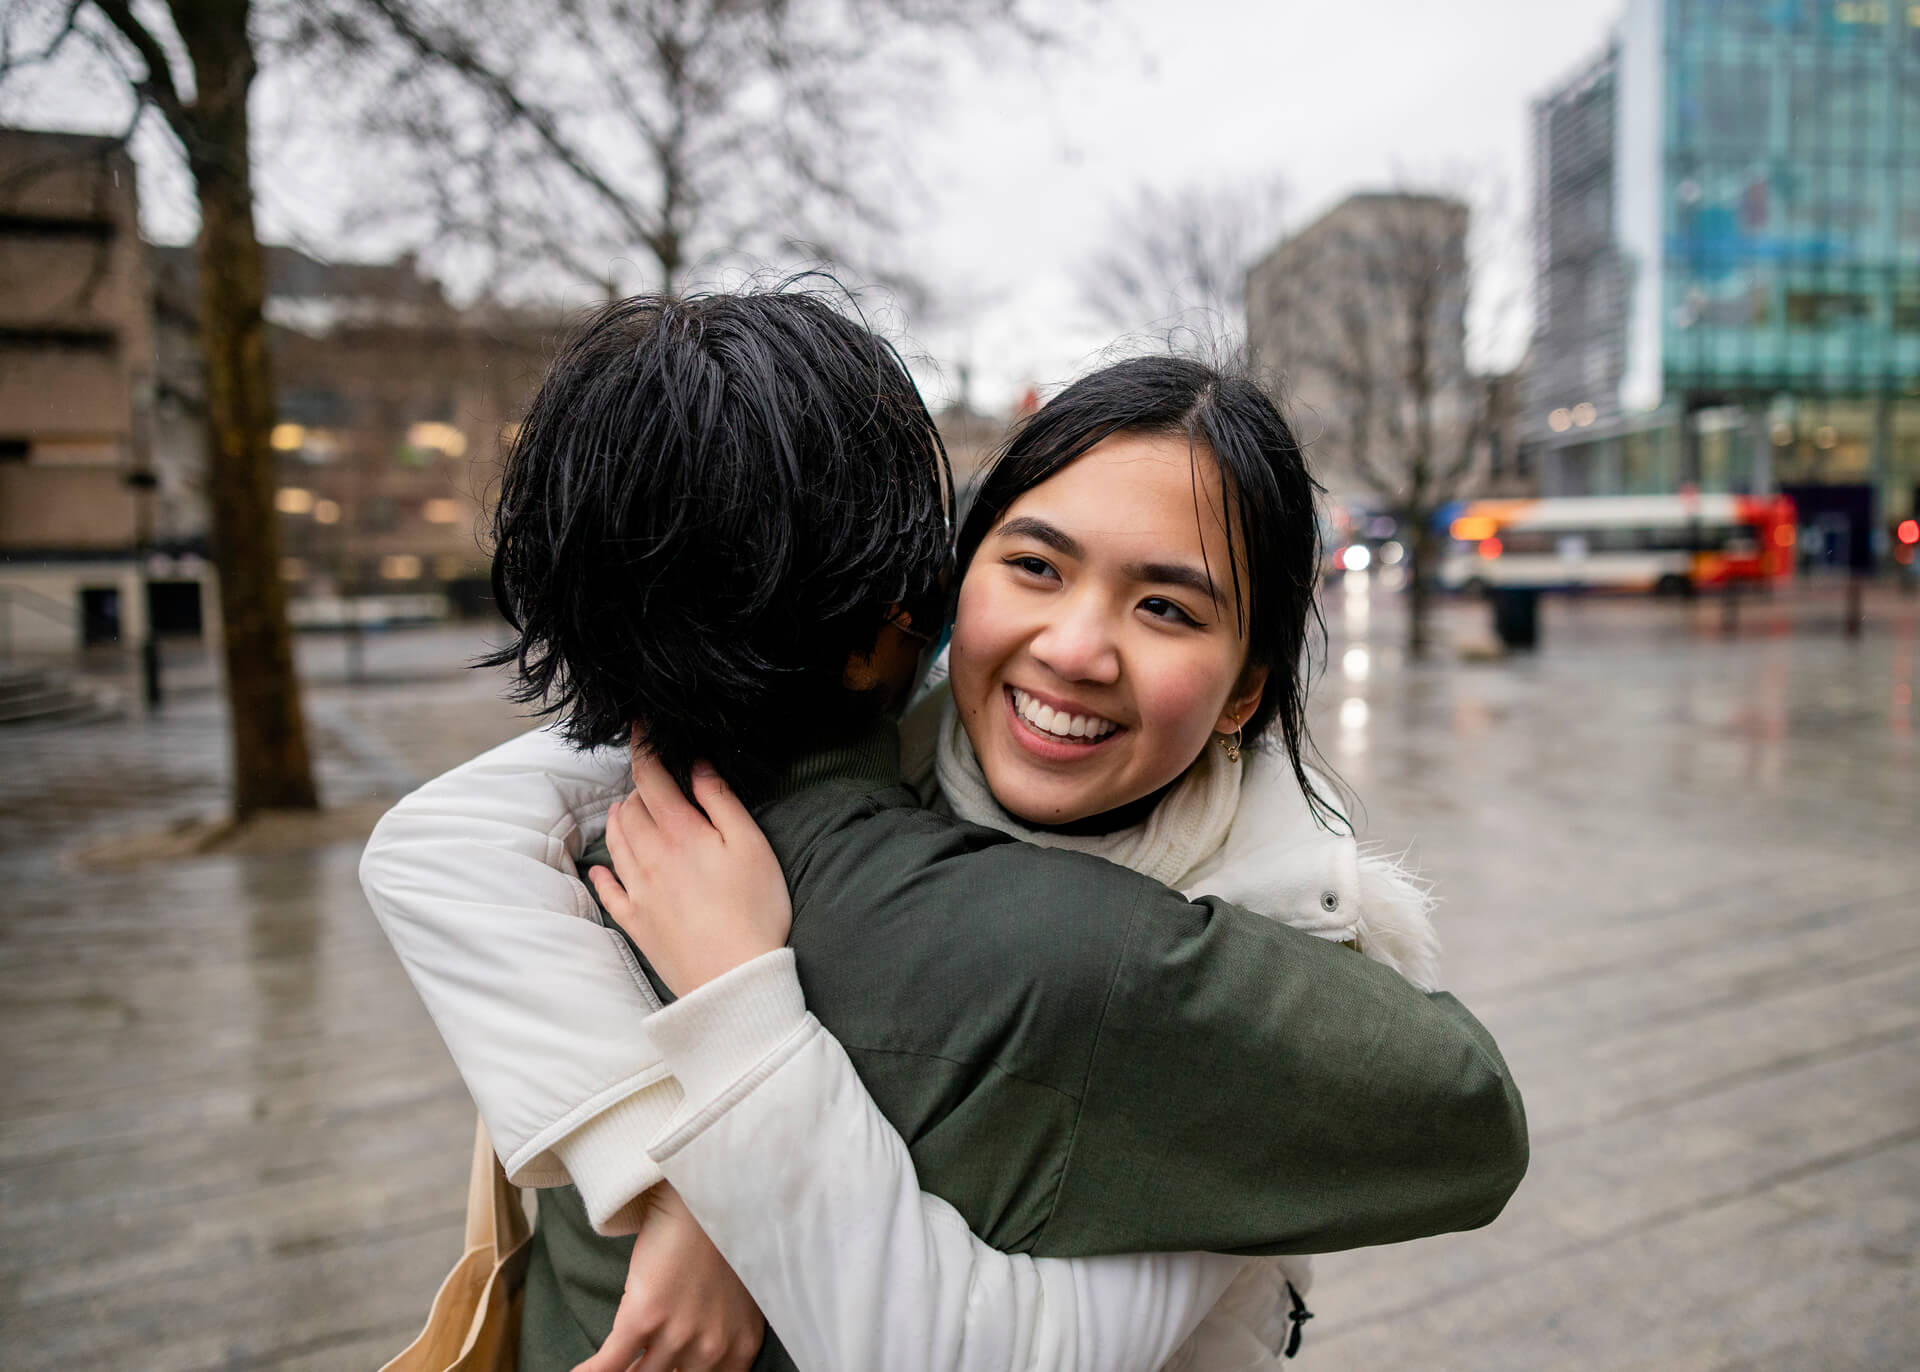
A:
x: 1058, y: 539
x: 1173, y: 574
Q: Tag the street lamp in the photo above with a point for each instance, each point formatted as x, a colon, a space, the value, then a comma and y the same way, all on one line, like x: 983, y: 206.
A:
x: 144, y: 485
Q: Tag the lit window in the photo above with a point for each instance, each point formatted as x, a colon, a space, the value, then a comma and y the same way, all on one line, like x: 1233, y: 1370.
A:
x: 441, y: 511
x: 293, y: 500
x: 440, y: 437
x: 400, y: 567
x: 326, y: 512
x: 288, y: 438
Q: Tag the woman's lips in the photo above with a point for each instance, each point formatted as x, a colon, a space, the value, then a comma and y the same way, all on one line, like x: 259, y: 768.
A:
x: 1052, y: 747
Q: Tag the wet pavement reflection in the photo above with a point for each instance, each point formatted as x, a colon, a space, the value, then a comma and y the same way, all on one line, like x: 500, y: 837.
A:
x: 1679, y: 879
x: 1681, y: 882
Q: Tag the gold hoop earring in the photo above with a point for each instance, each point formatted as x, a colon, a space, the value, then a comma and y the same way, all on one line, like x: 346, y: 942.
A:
x: 1232, y: 746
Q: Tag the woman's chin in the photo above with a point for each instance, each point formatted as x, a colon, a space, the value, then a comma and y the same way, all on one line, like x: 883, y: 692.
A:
x: 1042, y: 806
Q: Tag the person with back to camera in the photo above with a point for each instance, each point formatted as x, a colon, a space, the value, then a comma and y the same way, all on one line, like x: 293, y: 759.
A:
x: 1084, y: 1063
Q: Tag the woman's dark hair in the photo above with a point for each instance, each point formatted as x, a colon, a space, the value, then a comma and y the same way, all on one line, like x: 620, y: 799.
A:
x: 1268, y: 495
x: 709, y: 507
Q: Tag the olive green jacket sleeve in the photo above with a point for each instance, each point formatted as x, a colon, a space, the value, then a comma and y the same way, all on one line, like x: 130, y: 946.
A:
x: 1255, y: 1090
x: 1083, y: 1062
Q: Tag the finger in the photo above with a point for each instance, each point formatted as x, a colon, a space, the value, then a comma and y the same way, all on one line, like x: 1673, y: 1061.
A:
x: 630, y: 830
x: 612, y: 894
x: 665, y: 1353
x: 626, y: 1342
x: 654, y: 784
x: 723, y: 807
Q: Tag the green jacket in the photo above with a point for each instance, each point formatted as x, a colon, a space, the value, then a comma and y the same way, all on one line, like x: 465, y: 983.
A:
x: 1082, y: 1062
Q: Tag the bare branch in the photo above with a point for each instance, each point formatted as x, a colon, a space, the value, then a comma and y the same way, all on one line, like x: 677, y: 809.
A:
x: 450, y: 49
x: 11, y: 62
x: 156, y: 87
x: 1183, y: 255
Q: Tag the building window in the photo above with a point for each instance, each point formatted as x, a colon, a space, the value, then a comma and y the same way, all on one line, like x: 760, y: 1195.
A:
x: 1827, y: 309
x: 316, y: 407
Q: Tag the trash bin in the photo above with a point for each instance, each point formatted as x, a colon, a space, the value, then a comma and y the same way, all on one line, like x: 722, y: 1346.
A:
x: 1516, y: 616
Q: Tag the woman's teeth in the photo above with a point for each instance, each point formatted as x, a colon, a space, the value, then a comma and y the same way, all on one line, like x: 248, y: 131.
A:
x: 1058, y: 722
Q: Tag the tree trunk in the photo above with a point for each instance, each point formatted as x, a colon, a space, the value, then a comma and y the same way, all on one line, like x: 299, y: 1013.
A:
x: 271, y: 766
x: 1420, y: 555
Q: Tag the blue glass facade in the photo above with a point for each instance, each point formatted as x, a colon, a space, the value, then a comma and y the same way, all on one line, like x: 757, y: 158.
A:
x: 1764, y: 185
x: 1791, y: 201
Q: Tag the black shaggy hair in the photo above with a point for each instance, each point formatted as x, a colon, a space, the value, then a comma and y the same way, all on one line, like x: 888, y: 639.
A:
x: 1269, y: 496
x: 711, y: 505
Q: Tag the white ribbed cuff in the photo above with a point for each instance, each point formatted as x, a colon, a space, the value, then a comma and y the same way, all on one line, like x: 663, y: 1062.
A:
x: 608, y: 1160
x: 715, y: 1035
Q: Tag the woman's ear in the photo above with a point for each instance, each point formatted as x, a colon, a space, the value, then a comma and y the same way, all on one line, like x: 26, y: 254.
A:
x: 1244, y: 700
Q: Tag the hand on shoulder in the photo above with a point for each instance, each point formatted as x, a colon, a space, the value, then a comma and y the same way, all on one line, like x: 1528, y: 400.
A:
x: 697, y: 887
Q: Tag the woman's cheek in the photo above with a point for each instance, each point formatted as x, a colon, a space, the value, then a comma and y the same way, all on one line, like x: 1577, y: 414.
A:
x: 973, y: 627
x: 1183, y: 702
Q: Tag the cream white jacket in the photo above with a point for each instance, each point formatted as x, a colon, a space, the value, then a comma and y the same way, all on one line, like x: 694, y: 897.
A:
x: 579, y: 1074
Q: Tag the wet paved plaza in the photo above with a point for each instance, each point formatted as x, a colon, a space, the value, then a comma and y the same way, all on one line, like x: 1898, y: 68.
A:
x: 1681, y: 874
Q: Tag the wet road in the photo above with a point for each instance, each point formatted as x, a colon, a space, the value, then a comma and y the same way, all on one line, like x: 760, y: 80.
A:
x: 1680, y: 883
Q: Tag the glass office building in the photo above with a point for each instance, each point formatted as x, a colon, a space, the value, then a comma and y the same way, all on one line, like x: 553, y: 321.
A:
x: 1727, y: 222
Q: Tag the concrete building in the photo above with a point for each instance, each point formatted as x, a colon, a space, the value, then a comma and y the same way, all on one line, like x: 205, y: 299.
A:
x: 1330, y: 317
x: 1578, y: 355
x: 1728, y: 229
x: 393, y: 404
x: 393, y: 407
x: 76, y: 397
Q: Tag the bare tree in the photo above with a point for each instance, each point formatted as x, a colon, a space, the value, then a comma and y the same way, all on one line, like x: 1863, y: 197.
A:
x: 544, y: 139
x: 1179, y: 258
x: 641, y: 144
x: 1364, y: 313
x: 196, y: 73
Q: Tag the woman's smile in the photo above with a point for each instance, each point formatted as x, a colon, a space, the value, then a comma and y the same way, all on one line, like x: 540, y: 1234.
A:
x: 1056, y: 730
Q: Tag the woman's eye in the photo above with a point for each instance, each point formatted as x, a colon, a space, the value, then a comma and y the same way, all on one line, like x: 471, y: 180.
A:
x: 1032, y: 566
x: 1167, y: 610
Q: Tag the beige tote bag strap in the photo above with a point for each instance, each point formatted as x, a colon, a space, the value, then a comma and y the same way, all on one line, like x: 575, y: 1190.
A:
x: 495, y: 1217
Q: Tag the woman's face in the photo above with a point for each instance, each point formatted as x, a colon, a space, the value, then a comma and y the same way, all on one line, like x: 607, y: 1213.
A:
x: 1093, y: 657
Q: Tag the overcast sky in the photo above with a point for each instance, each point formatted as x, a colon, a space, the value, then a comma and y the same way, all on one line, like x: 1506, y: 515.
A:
x: 1332, y: 97
x: 1025, y: 162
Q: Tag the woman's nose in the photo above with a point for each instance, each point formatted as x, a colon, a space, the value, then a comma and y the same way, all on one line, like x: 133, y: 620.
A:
x: 1078, y: 643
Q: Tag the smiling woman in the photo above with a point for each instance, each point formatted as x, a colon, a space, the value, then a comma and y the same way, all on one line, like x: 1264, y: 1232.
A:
x: 1094, y: 651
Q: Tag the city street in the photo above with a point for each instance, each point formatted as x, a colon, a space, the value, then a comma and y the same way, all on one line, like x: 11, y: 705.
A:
x: 1680, y: 882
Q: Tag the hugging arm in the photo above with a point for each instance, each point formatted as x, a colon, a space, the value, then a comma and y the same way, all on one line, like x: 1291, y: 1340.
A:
x: 549, y: 1021
x: 542, y: 1006
x: 838, y: 1252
